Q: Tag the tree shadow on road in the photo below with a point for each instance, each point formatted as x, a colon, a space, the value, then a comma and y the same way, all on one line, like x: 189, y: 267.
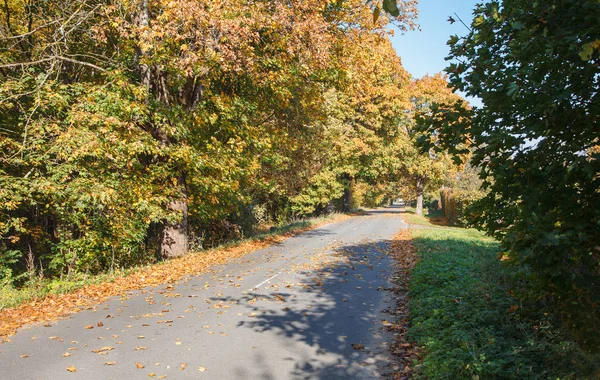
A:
x: 331, y: 323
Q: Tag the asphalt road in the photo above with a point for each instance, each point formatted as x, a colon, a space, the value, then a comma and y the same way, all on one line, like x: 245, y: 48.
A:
x: 312, y: 307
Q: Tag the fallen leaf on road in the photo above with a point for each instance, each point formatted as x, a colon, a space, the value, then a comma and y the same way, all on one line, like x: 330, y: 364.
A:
x: 183, y: 365
x: 141, y: 348
x: 110, y: 363
x: 139, y: 365
x: 24, y: 356
x: 151, y: 374
x: 103, y: 349
x: 201, y: 369
x: 88, y: 327
x: 54, y: 306
x: 66, y: 354
x: 100, y: 324
x: 72, y: 369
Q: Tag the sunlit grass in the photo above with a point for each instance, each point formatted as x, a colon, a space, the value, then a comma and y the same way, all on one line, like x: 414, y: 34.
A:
x: 469, y: 325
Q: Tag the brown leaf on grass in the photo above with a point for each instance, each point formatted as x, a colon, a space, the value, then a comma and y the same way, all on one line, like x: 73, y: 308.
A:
x: 139, y: 365
x: 72, y: 369
x: 405, y: 257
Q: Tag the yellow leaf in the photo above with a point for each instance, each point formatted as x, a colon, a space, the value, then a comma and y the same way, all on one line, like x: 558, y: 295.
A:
x: 139, y: 365
x: 72, y: 369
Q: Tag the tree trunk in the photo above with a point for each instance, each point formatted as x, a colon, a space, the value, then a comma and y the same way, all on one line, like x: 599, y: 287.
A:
x: 419, y: 209
x: 347, y: 192
x: 174, y: 239
x: 174, y: 235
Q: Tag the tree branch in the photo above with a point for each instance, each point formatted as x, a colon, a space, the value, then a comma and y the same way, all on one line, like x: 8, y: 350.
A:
x: 53, y: 58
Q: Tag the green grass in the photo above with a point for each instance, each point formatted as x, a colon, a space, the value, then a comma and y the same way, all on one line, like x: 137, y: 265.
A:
x: 425, y: 220
x: 468, y: 324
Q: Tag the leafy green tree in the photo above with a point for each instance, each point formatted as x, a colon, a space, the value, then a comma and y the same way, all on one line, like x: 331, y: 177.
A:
x: 536, y: 67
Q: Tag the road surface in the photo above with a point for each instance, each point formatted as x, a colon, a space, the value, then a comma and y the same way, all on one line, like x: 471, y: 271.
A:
x: 311, y: 307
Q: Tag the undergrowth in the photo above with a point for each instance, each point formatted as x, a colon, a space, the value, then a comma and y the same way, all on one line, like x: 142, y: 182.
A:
x: 470, y: 326
x: 39, y: 287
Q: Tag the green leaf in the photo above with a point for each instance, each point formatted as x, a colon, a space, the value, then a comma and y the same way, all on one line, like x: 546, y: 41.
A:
x: 588, y: 50
x: 391, y: 7
x: 376, y: 14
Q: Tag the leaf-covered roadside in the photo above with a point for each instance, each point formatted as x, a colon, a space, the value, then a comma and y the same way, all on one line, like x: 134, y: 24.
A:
x: 467, y: 322
x: 405, y: 258
x: 54, y: 306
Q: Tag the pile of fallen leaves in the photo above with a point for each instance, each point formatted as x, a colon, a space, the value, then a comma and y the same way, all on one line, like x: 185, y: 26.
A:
x: 439, y: 220
x: 55, y: 306
x: 405, y: 258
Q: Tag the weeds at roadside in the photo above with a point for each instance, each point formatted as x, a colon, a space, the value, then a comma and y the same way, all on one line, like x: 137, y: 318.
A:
x: 467, y: 323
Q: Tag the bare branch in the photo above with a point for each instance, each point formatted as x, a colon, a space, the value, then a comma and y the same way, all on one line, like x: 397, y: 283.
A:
x: 53, y: 58
x: 30, y: 32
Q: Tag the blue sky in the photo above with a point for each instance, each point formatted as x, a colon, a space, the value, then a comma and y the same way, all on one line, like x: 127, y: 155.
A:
x: 423, y: 51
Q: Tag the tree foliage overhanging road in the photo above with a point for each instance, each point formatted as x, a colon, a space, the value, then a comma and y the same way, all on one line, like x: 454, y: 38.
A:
x: 130, y: 130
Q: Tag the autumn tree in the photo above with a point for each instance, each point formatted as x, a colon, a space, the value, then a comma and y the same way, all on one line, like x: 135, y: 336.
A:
x: 422, y: 168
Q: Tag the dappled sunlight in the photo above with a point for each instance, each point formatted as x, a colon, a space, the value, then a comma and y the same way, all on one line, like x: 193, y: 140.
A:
x: 324, y: 315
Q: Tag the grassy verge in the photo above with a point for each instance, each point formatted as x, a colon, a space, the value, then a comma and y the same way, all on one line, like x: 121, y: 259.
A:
x: 468, y: 325
x: 429, y: 219
x: 45, y: 300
